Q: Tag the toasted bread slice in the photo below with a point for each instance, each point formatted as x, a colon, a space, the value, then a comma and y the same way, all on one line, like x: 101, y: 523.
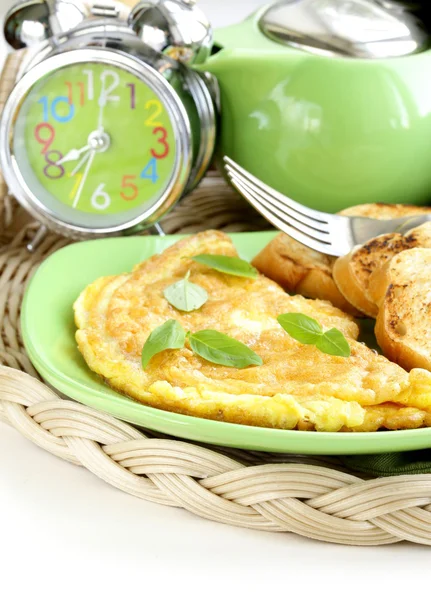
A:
x: 404, y: 321
x: 301, y: 270
x: 379, y: 283
x: 298, y: 269
x: 353, y: 273
x: 350, y: 287
x: 385, y: 211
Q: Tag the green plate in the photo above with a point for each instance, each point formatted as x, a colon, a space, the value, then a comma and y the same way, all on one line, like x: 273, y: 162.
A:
x: 48, y: 331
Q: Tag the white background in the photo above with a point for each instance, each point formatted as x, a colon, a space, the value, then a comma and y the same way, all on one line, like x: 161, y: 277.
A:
x: 66, y: 534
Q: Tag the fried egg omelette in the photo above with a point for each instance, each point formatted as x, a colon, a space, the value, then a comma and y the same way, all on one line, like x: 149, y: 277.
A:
x: 296, y: 387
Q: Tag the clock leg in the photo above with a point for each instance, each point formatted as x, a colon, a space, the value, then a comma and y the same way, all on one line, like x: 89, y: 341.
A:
x: 38, y: 237
x: 157, y: 229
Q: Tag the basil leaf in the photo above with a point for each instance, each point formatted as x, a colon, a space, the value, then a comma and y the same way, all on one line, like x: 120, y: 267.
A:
x: 302, y: 328
x: 170, y: 335
x: 308, y: 331
x: 232, y: 265
x: 221, y: 349
x: 185, y: 296
x: 333, y: 342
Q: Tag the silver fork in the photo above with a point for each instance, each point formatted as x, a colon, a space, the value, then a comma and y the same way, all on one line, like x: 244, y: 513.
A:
x: 330, y: 234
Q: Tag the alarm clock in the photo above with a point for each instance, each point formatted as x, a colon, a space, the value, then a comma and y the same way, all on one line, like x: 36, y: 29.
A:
x: 108, y: 126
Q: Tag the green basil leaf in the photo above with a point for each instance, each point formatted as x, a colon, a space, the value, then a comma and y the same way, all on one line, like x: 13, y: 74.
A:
x: 333, y: 342
x: 185, y: 296
x: 232, y: 265
x: 221, y: 349
x: 302, y: 328
x: 170, y: 335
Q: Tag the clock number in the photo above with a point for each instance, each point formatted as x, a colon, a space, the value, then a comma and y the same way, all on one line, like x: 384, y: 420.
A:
x: 100, y: 199
x: 69, y: 86
x: 54, y: 104
x: 151, y: 119
x: 150, y: 171
x: 52, y: 170
x: 105, y: 94
x: 76, y: 185
x: 69, y: 92
x: 90, y: 83
x: 132, y: 94
x: 45, y: 110
x: 126, y: 182
x: 46, y: 140
x: 80, y: 84
x: 161, y: 140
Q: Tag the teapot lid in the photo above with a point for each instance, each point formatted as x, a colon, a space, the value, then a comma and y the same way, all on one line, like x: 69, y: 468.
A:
x: 353, y: 28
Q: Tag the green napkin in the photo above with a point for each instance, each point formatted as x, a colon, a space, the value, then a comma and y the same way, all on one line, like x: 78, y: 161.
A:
x: 399, y: 463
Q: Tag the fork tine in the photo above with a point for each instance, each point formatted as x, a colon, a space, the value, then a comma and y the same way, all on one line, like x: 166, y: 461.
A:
x: 321, y: 236
x: 294, y: 233
x: 316, y: 228
x: 302, y: 210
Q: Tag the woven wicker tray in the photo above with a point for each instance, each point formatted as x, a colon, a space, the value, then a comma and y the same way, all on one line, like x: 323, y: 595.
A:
x: 312, y: 497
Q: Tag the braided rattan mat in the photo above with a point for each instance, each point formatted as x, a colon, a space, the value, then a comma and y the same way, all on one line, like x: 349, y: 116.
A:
x: 312, y: 497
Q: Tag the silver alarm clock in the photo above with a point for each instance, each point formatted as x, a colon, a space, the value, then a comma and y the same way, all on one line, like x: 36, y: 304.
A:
x: 107, y: 126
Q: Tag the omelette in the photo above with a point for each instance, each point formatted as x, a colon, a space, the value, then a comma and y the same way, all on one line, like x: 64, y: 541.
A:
x: 296, y: 387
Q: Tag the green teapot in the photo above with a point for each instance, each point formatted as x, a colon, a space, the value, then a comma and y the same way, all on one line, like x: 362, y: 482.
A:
x: 328, y: 101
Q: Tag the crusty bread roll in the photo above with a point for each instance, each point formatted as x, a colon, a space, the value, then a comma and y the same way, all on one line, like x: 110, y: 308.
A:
x: 300, y: 270
x: 404, y: 320
x: 352, y: 273
x: 304, y: 271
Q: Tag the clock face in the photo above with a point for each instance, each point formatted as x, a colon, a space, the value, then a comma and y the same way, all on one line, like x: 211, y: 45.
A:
x: 95, y: 144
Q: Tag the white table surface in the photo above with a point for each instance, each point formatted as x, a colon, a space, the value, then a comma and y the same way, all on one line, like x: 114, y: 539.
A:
x: 66, y: 534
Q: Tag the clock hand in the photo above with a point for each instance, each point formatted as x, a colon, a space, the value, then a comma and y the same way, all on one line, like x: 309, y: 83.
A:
x: 102, y: 103
x: 105, y: 95
x: 91, y: 156
x: 81, y: 162
x: 97, y: 140
x: 73, y: 154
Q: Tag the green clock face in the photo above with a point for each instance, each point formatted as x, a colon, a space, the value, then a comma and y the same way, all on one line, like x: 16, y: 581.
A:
x: 93, y: 140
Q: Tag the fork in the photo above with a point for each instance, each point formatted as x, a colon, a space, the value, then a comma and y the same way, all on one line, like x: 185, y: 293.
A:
x: 335, y: 235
